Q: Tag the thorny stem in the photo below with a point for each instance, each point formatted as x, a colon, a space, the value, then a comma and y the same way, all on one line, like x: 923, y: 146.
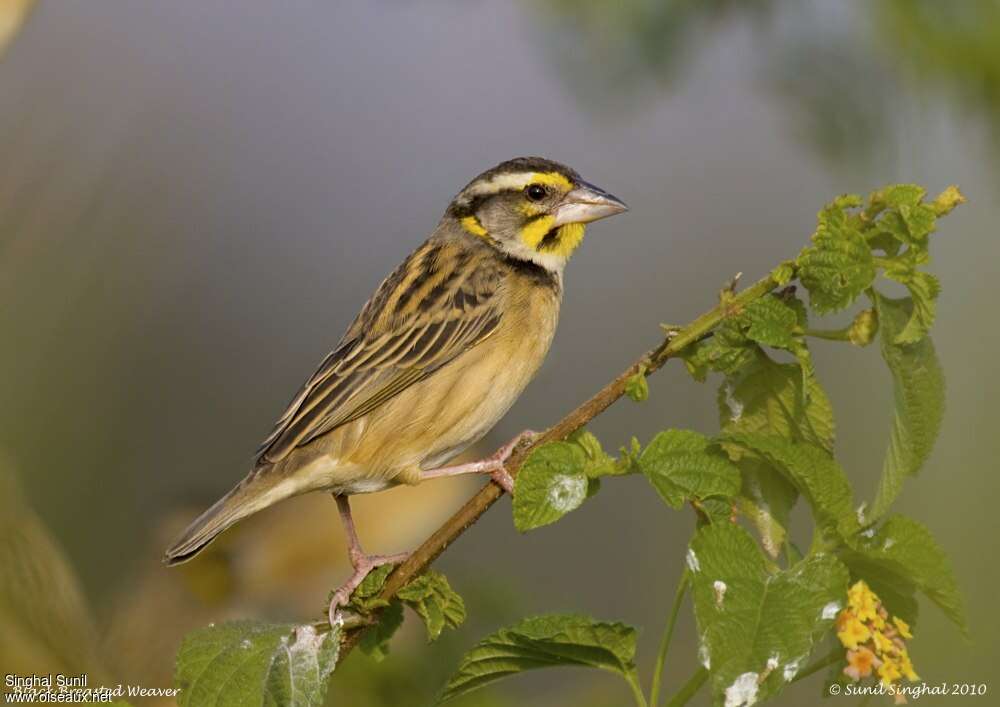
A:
x: 462, y: 520
x: 668, y: 633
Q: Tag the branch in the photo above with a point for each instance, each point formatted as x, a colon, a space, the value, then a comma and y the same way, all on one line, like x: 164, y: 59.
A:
x: 729, y: 305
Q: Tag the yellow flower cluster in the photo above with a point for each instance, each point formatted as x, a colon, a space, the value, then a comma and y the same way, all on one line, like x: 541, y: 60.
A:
x: 873, y: 641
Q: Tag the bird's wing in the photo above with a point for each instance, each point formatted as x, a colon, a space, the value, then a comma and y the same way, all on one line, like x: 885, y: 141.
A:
x: 442, y: 301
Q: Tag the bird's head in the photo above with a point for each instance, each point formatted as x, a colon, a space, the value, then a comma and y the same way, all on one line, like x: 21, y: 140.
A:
x: 532, y: 209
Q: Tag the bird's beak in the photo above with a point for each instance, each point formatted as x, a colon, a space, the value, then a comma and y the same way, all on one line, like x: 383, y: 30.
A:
x: 586, y: 203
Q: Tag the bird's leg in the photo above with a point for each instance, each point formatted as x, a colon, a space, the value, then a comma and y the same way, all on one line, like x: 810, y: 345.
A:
x: 362, y: 563
x: 492, y: 465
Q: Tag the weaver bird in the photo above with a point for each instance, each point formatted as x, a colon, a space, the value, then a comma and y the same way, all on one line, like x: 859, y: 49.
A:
x: 434, y: 359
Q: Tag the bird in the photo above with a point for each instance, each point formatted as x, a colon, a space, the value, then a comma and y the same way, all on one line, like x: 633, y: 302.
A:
x: 440, y: 352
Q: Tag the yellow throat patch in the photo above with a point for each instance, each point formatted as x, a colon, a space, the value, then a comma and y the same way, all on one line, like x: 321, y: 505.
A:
x: 566, y: 239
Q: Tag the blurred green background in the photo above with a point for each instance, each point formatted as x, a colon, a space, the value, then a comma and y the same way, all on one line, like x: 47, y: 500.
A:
x: 195, y: 199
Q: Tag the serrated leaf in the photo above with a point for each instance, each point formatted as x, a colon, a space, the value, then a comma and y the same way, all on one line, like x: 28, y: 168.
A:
x: 636, y: 386
x: 551, y: 483
x: 435, y: 602
x: 716, y: 510
x: 846, y: 201
x: 681, y: 466
x: 757, y: 627
x: 814, y: 473
x: 918, y: 395
x: 896, y: 195
x: 919, y: 220
x: 924, y: 290
x: 246, y: 663
x: 784, y: 273
x: 884, y: 239
x: 890, y: 233
x: 771, y: 322
x: 365, y: 597
x: 375, y: 640
x: 597, y: 462
x: 726, y: 351
x: 768, y: 397
x: 903, y: 553
x: 544, y: 642
x: 838, y: 266
x: 800, y: 309
x: 766, y: 499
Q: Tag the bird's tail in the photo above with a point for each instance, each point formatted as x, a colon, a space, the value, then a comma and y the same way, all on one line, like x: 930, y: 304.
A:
x: 251, y: 495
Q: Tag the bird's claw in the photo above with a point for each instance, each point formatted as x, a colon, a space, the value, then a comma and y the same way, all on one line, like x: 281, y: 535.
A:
x: 363, y: 565
x: 499, y: 474
x: 503, y: 454
x: 502, y: 478
x: 334, y: 614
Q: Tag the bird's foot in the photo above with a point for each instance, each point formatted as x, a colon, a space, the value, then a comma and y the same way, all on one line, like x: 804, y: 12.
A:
x: 363, y: 565
x: 503, y: 454
x: 498, y: 471
x: 492, y: 465
x: 502, y: 478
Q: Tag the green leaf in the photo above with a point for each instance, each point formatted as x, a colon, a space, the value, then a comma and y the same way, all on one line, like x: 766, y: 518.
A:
x: 896, y: 195
x: 544, y: 642
x: 551, y: 483
x: 924, y: 290
x: 636, y: 386
x: 727, y: 351
x: 919, y: 220
x: 918, y: 394
x: 597, y: 462
x: 758, y: 627
x: 628, y: 457
x: 766, y: 499
x: 814, y: 473
x: 768, y: 397
x: 247, y: 663
x: 771, y: 322
x: 885, y: 240
x: 681, y: 466
x: 902, y: 554
x: 902, y: 213
x: 838, y: 266
x: 784, y: 273
x: 435, y: 601
x: 365, y: 597
x: 558, y: 476
x: 715, y: 510
x: 375, y: 640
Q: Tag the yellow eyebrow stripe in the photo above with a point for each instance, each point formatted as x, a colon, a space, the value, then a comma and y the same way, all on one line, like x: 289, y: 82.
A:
x: 553, y: 179
x: 515, y: 182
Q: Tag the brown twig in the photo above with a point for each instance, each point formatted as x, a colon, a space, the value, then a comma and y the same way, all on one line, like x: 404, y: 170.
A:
x: 476, y: 506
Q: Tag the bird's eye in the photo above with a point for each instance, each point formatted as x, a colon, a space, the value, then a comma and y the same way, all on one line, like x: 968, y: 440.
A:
x: 535, y: 192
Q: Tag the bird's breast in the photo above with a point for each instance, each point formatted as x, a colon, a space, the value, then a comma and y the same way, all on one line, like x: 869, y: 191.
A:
x: 435, y: 419
x: 486, y: 384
